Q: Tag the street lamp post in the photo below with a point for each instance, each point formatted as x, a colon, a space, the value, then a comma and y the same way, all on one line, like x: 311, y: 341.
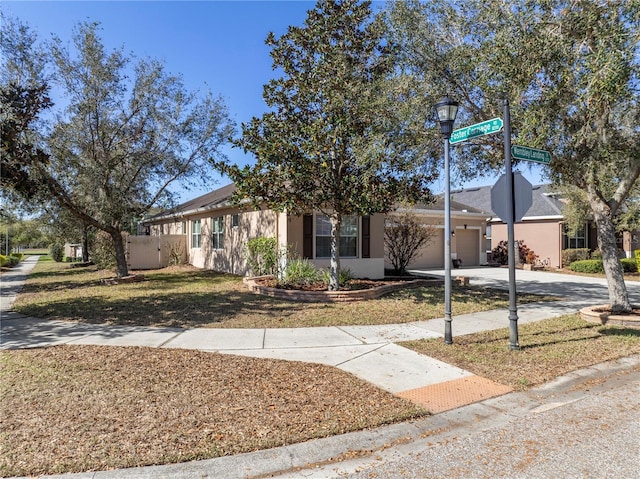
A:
x: 447, y: 109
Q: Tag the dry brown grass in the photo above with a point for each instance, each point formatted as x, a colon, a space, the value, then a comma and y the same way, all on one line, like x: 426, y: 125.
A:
x: 549, y: 349
x: 87, y: 408
x: 188, y: 297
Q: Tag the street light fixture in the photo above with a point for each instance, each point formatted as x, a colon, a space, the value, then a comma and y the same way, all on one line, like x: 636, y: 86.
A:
x: 447, y: 110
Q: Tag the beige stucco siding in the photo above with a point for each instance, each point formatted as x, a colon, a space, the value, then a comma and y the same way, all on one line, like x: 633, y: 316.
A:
x: 544, y: 237
x: 231, y: 258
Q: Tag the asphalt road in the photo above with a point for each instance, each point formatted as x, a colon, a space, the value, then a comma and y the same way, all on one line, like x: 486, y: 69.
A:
x: 594, y: 435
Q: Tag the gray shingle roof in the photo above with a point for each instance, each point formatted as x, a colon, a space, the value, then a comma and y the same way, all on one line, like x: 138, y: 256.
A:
x: 544, y: 202
x: 205, y: 202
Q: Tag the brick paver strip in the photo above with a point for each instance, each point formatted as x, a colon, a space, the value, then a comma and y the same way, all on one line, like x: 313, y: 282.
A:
x: 452, y: 394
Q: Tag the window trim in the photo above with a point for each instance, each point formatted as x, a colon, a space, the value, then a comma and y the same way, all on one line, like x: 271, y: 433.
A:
x: 196, y: 236
x: 355, y: 237
x: 217, y: 233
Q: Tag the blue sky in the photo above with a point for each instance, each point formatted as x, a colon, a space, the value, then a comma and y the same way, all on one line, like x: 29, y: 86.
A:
x: 216, y: 45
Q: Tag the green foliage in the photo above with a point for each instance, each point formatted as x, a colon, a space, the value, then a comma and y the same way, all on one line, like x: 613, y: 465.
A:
x: 637, y: 256
x: 343, y: 278
x: 153, y: 132
x: 262, y: 256
x: 595, y: 254
x: 570, y: 71
x: 103, y: 252
x: 301, y: 272
x: 335, y: 138
x: 629, y: 265
x: 577, y: 254
x: 587, y: 266
x: 56, y: 251
x: 11, y: 260
x: 500, y: 253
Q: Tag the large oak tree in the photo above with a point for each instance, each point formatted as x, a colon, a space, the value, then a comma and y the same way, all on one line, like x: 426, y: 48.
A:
x: 127, y: 131
x: 571, y: 72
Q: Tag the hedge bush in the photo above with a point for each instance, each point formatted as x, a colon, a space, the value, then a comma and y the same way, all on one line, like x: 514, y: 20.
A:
x: 262, y: 255
x: 56, y: 251
x: 629, y: 265
x: 11, y: 260
x: 637, y: 255
x: 587, y: 266
x: 571, y: 255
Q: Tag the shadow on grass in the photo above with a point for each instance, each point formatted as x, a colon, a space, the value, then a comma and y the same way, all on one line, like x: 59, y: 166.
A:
x: 191, y: 309
x: 620, y: 331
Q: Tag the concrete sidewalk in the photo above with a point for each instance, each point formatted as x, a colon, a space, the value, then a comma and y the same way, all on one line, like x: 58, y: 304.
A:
x: 369, y: 352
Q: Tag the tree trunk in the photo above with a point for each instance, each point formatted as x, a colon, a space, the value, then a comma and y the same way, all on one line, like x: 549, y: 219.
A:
x: 85, y: 243
x: 618, y: 295
x: 121, y: 258
x: 334, y: 268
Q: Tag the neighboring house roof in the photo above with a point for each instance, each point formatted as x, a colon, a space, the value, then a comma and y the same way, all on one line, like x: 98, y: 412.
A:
x: 210, y: 201
x: 544, y: 203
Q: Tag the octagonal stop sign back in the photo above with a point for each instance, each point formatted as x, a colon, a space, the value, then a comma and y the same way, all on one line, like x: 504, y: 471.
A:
x: 523, y: 196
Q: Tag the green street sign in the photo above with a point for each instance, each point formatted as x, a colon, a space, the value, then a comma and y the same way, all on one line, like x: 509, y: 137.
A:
x: 531, y: 154
x: 479, y: 129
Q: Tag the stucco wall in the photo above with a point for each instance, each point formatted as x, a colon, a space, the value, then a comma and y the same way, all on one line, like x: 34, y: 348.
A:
x: 231, y: 259
x: 543, y: 237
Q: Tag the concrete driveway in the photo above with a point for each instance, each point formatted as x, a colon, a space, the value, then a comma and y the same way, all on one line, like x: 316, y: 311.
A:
x: 572, y: 287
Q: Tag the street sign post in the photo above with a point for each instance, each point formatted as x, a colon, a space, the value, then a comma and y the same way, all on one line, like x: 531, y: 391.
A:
x: 530, y: 154
x: 479, y: 129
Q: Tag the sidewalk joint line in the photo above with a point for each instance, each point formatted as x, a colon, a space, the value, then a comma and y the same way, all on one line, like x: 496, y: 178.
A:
x: 363, y: 354
x: 339, y: 328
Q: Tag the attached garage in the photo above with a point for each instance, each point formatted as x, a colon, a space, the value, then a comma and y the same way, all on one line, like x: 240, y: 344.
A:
x: 468, y: 246
x: 431, y: 255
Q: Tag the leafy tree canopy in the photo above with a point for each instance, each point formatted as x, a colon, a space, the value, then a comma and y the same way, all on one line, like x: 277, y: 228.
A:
x: 128, y: 130
x: 338, y: 137
x: 571, y: 72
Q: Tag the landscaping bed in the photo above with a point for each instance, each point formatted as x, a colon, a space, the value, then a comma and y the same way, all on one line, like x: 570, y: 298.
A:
x: 353, y: 290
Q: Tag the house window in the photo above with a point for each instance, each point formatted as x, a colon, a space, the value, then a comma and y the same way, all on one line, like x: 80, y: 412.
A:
x: 235, y: 220
x: 348, y: 237
x: 184, y: 228
x: 217, y: 236
x: 195, y: 234
x: 577, y: 240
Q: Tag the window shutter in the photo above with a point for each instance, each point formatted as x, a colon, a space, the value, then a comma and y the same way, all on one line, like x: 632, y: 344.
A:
x: 307, y: 236
x: 366, y: 237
